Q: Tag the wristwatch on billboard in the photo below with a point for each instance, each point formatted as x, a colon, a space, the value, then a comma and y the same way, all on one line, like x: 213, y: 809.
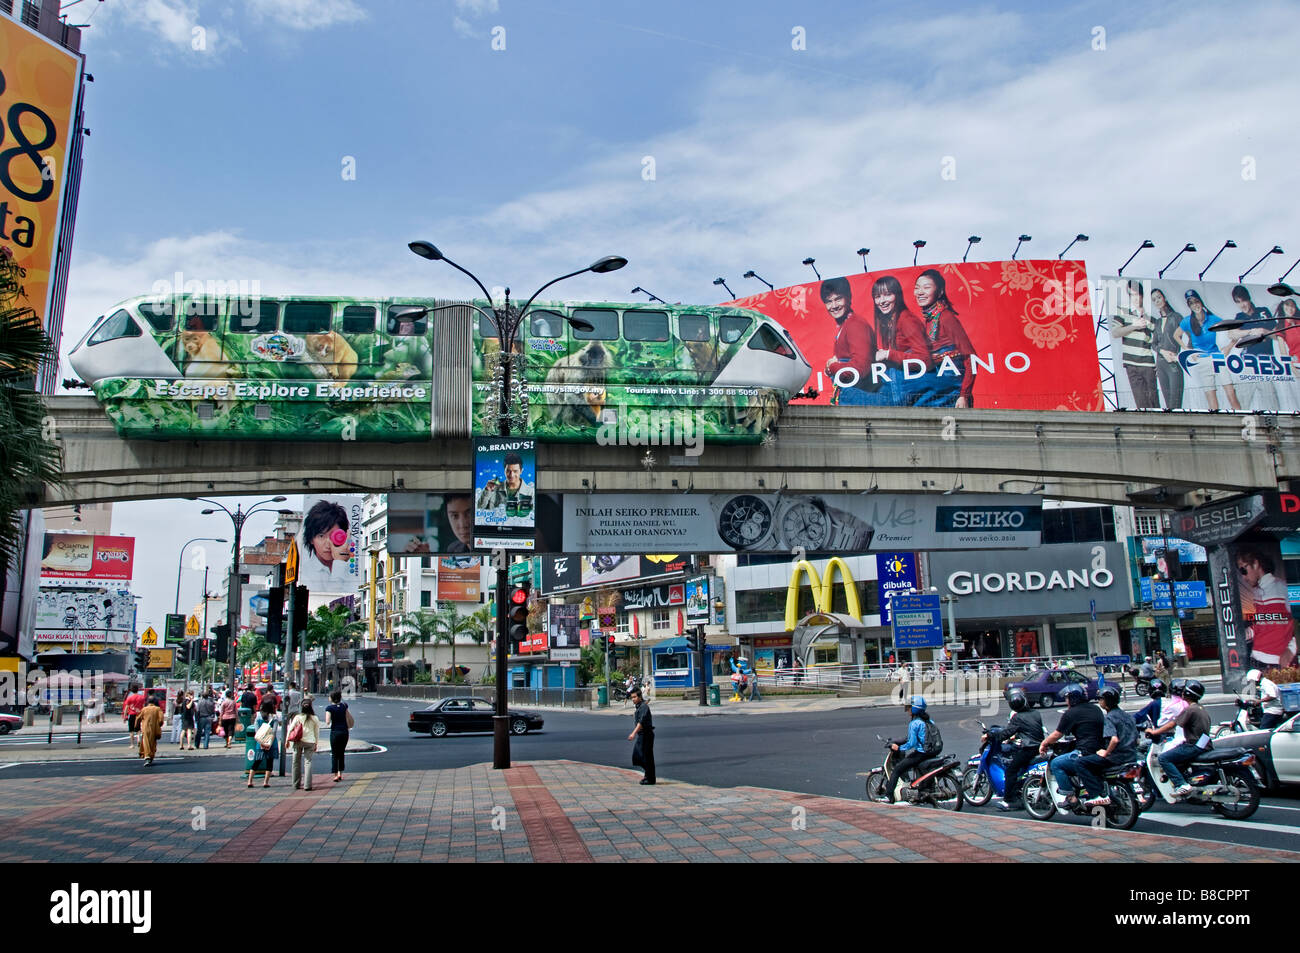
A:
x: 749, y: 522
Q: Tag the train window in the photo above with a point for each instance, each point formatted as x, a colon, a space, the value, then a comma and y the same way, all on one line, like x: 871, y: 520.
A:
x: 645, y: 325
x: 693, y: 327
x: 119, y: 325
x: 486, y: 329
x: 545, y: 324
x: 253, y: 317
x: 732, y: 328
x: 605, y: 324
x: 307, y: 317
x: 201, y: 314
x: 402, y: 324
x: 765, y: 339
x: 358, y: 319
x: 159, y: 314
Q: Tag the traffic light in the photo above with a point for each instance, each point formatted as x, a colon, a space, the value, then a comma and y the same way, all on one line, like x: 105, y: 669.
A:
x: 222, y: 633
x: 517, y: 614
x: 141, y: 659
x: 183, y: 653
x: 300, y: 594
x: 203, y: 650
x: 274, y: 629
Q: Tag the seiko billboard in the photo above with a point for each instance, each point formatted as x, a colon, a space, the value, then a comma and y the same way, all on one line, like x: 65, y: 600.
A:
x: 1051, y: 580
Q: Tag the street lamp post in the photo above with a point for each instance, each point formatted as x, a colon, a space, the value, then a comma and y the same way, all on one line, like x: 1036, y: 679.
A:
x: 181, y: 557
x: 237, y: 518
x: 507, y: 323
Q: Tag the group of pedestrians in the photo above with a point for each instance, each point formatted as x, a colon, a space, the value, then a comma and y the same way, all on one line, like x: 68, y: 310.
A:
x: 303, y: 735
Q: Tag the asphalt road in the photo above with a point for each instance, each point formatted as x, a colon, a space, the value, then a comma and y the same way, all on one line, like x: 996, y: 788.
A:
x: 810, y: 752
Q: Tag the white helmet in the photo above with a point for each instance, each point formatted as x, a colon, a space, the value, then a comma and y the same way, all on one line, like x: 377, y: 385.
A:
x: 1254, y: 675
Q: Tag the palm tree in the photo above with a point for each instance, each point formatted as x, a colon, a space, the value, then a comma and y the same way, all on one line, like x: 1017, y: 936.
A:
x: 28, y: 459
x: 445, y: 625
x: 329, y: 627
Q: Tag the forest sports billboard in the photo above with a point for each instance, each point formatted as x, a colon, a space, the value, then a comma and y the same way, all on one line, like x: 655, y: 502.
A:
x: 1003, y: 334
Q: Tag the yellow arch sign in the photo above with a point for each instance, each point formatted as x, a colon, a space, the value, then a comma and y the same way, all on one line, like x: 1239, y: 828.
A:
x: 823, y: 590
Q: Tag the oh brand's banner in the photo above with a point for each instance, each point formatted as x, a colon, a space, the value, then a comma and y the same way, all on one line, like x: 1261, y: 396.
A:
x: 1013, y: 334
x: 833, y: 523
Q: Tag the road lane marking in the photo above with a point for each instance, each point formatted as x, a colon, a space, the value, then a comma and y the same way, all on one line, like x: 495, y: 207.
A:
x: 1187, y: 821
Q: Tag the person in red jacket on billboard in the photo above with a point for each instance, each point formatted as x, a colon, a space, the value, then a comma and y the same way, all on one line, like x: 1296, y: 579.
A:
x: 1272, y: 629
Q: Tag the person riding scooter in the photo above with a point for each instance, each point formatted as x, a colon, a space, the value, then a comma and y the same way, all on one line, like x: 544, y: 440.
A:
x: 1263, y: 690
x: 1151, y: 711
x: 1086, y: 723
x: 1120, y: 736
x: 1195, y: 725
x: 918, y: 746
x: 1026, y: 728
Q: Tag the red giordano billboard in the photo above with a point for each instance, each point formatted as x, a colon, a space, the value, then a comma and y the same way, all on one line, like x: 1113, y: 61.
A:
x: 1004, y: 334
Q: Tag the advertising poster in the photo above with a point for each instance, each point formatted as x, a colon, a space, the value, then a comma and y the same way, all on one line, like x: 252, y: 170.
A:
x: 895, y: 572
x: 1009, y: 334
x: 565, y: 633
x: 1188, y: 552
x: 598, y: 570
x: 40, y: 90
x: 698, y: 601
x: 505, y: 493
x: 421, y: 524
x: 561, y: 573
x: 1265, y: 608
x: 1234, y: 654
x: 74, y: 556
x: 459, y: 578
x: 62, y: 613
x: 329, y: 545
x: 1168, y: 354
x: 832, y: 523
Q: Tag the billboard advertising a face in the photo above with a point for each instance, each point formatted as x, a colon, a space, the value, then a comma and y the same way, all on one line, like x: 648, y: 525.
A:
x: 1171, y: 354
x: 505, y: 493
x: 329, y: 544
x: 73, y: 556
x: 39, y: 80
x: 1009, y: 334
x: 421, y: 524
x: 565, y: 632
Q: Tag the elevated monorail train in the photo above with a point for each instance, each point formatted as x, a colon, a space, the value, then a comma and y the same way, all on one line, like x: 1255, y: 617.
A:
x: 319, y: 368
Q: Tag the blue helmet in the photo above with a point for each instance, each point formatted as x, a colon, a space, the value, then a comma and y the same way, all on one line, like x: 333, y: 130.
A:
x: 918, y: 704
x: 1074, y: 694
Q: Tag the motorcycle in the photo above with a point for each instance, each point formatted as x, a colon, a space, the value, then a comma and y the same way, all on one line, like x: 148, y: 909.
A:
x: 1043, y: 797
x: 1224, y: 779
x: 985, y: 774
x: 933, y: 782
x: 1249, y: 716
x: 622, y: 691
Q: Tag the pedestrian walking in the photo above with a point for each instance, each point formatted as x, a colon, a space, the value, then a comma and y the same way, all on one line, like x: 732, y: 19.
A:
x: 175, y: 713
x: 267, y: 737
x: 206, y: 708
x: 150, y: 725
x: 228, y: 714
x: 643, y: 751
x: 131, y: 708
x: 339, y: 721
x: 292, y: 700
x: 304, y: 736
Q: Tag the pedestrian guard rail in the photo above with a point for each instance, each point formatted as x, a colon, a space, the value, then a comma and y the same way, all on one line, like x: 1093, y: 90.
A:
x: 522, y: 697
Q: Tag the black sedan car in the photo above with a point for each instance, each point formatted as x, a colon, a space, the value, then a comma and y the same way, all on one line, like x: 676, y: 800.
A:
x: 1046, y: 688
x: 467, y: 714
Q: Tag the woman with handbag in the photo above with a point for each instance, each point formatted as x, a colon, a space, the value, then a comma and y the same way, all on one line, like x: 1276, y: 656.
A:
x: 265, y: 734
x: 338, y: 719
x: 304, y: 736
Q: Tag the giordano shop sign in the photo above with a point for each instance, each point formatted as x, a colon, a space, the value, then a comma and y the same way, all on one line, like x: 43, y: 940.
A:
x: 1049, y: 580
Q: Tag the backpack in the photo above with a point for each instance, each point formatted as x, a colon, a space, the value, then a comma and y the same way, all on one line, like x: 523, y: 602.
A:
x: 933, y: 739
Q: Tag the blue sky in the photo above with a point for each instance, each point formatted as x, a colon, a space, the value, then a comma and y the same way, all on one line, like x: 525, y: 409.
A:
x: 225, y: 162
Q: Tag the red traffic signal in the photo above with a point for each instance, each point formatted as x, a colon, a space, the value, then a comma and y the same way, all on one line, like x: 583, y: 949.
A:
x: 517, y: 614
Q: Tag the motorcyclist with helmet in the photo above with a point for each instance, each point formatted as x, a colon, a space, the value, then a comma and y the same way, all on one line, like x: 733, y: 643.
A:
x: 1263, y: 690
x: 1151, y: 712
x: 1195, y: 724
x: 1086, y: 723
x: 915, y: 746
x: 1119, y: 735
x: 1024, y: 732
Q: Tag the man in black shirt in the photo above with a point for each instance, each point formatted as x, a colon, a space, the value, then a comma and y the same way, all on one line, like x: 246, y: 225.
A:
x: 1085, y: 722
x: 1120, y: 736
x: 1195, y: 722
x: 1025, y: 733
x: 643, y: 752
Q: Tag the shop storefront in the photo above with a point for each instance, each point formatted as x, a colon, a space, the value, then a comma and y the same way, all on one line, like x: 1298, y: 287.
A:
x: 1056, y: 600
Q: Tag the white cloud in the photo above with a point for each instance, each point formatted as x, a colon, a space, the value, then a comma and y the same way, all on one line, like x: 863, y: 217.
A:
x: 178, y: 25
x: 463, y: 28
x: 306, y: 14
x: 477, y: 8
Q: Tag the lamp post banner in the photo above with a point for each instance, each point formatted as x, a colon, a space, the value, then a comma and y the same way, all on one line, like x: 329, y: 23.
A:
x: 1169, y: 355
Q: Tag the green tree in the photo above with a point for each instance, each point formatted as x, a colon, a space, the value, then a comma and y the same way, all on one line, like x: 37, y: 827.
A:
x: 28, y: 459
x: 254, y: 648
x: 423, y: 627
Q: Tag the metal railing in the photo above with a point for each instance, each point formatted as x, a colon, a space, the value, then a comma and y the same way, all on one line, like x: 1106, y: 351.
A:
x: 547, y: 697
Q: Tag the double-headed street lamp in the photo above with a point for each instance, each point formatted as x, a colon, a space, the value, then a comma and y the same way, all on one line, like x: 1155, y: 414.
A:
x: 180, y: 558
x: 507, y: 322
x: 238, y: 518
